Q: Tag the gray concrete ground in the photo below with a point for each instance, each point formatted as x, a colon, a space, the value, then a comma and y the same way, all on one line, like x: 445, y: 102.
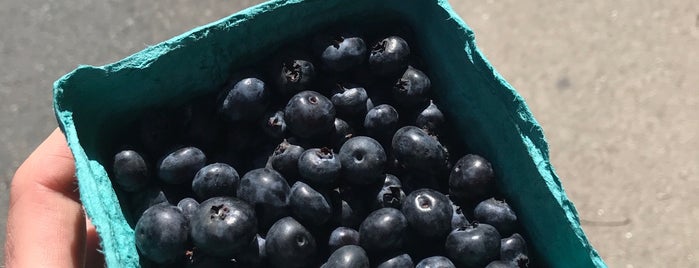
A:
x: 613, y: 83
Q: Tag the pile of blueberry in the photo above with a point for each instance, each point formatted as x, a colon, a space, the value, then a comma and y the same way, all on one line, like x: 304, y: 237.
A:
x: 345, y: 162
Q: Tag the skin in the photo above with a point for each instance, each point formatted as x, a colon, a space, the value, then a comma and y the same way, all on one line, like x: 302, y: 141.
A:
x: 46, y: 225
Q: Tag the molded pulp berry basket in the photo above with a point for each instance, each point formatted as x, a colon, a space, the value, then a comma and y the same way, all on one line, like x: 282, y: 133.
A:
x: 91, y: 103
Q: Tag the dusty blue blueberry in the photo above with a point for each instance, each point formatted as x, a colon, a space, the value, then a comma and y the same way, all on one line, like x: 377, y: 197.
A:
x: 218, y: 179
x: 513, y: 247
x: 435, y: 262
x: 223, y: 226
x: 400, y: 261
x: 309, y: 206
x: 363, y: 160
x: 188, y: 206
x: 309, y: 114
x: 285, y: 160
x: 289, y: 244
x: 161, y: 233
x: 340, y: 52
x: 130, y: 171
x: 381, y: 122
x: 473, y: 246
x: 472, y: 179
x: 350, y: 100
x: 343, y: 236
x: 181, y: 165
x: 416, y: 150
x: 498, y: 214
x: 268, y: 193
x: 389, y: 56
x: 319, y: 166
x: 430, y: 119
x: 246, y: 100
x: 349, y: 256
x: 273, y: 124
x: 384, y: 230
x: 412, y: 88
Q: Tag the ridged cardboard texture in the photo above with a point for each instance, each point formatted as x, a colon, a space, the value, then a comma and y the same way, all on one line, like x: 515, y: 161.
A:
x: 493, y: 120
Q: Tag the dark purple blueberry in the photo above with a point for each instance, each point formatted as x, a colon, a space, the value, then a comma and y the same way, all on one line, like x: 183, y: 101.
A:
x: 188, y: 206
x: 430, y: 119
x: 513, y: 247
x: 458, y: 219
x: 389, y: 56
x: 319, y: 166
x: 295, y: 75
x: 309, y: 206
x: 246, y: 100
x: 285, y: 160
x: 390, y: 196
x: 473, y: 246
x: 309, y: 114
x: 161, y: 233
x: 400, y: 261
x: 384, y: 230
x: 472, y: 179
x: 273, y: 125
x: 435, y: 262
x: 342, y: 132
x: 363, y: 160
x: 349, y: 256
x: 343, y: 236
x: 350, y: 100
x: 340, y: 52
x: 216, y: 179
x: 180, y: 166
x: 268, y: 193
x: 498, y: 214
x: 289, y: 244
x: 428, y: 213
x: 412, y: 88
x: 501, y: 264
x: 130, y: 171
x: 223, y: 226
x: 416, y: 150
x: 381, y: 122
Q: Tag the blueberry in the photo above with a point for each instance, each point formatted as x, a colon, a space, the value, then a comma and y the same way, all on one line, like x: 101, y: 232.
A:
x: 430, y: 119
x: 412, y: 88
x: 285, y: 160
x: 428, y: 213
x: 295, y: 73
x: 309, y: 206
x: 458, y: 219
x: 363, y: 160
x: 130, y: 171
x: 223, y: 226
x: 473, y: 246
x: 343, y: 236
x: 391, y: 180
x: 161, y: 233
x: 350, y: 100
x: 389, y: 56
x: 216, y: 179
x: 501, y: 264
x: 341, y: 133
x: 400, y: 261
x: 513, y: 247
x: 273, y: 125
x: 289, y: 244
x: 247, y: 100
x: 181, y: 165
x: 188, y: 206
x: 498, y: 214
x: 435, y: 262
x: 349, y: 256
x: 381, y: 122
x: 268, y: 192
x: 415, y: 149
x: 384, y: 230
x: 390, y: 196
x: 340, y: 52
x: 319, y: 166
x: 309, y: 114
x: 472, y: 179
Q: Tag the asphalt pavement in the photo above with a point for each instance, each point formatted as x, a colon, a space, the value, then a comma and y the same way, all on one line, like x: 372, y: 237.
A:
x: 614, y: 85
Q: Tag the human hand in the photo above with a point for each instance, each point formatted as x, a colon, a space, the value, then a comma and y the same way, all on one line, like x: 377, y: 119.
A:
x: 46, y: 224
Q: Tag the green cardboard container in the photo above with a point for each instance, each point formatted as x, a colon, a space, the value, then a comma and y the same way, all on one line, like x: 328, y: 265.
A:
x: 91, y: 103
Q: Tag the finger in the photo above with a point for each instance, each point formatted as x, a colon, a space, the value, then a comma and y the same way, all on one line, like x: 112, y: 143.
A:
x: 93, y: 251
x: 46, y: 223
